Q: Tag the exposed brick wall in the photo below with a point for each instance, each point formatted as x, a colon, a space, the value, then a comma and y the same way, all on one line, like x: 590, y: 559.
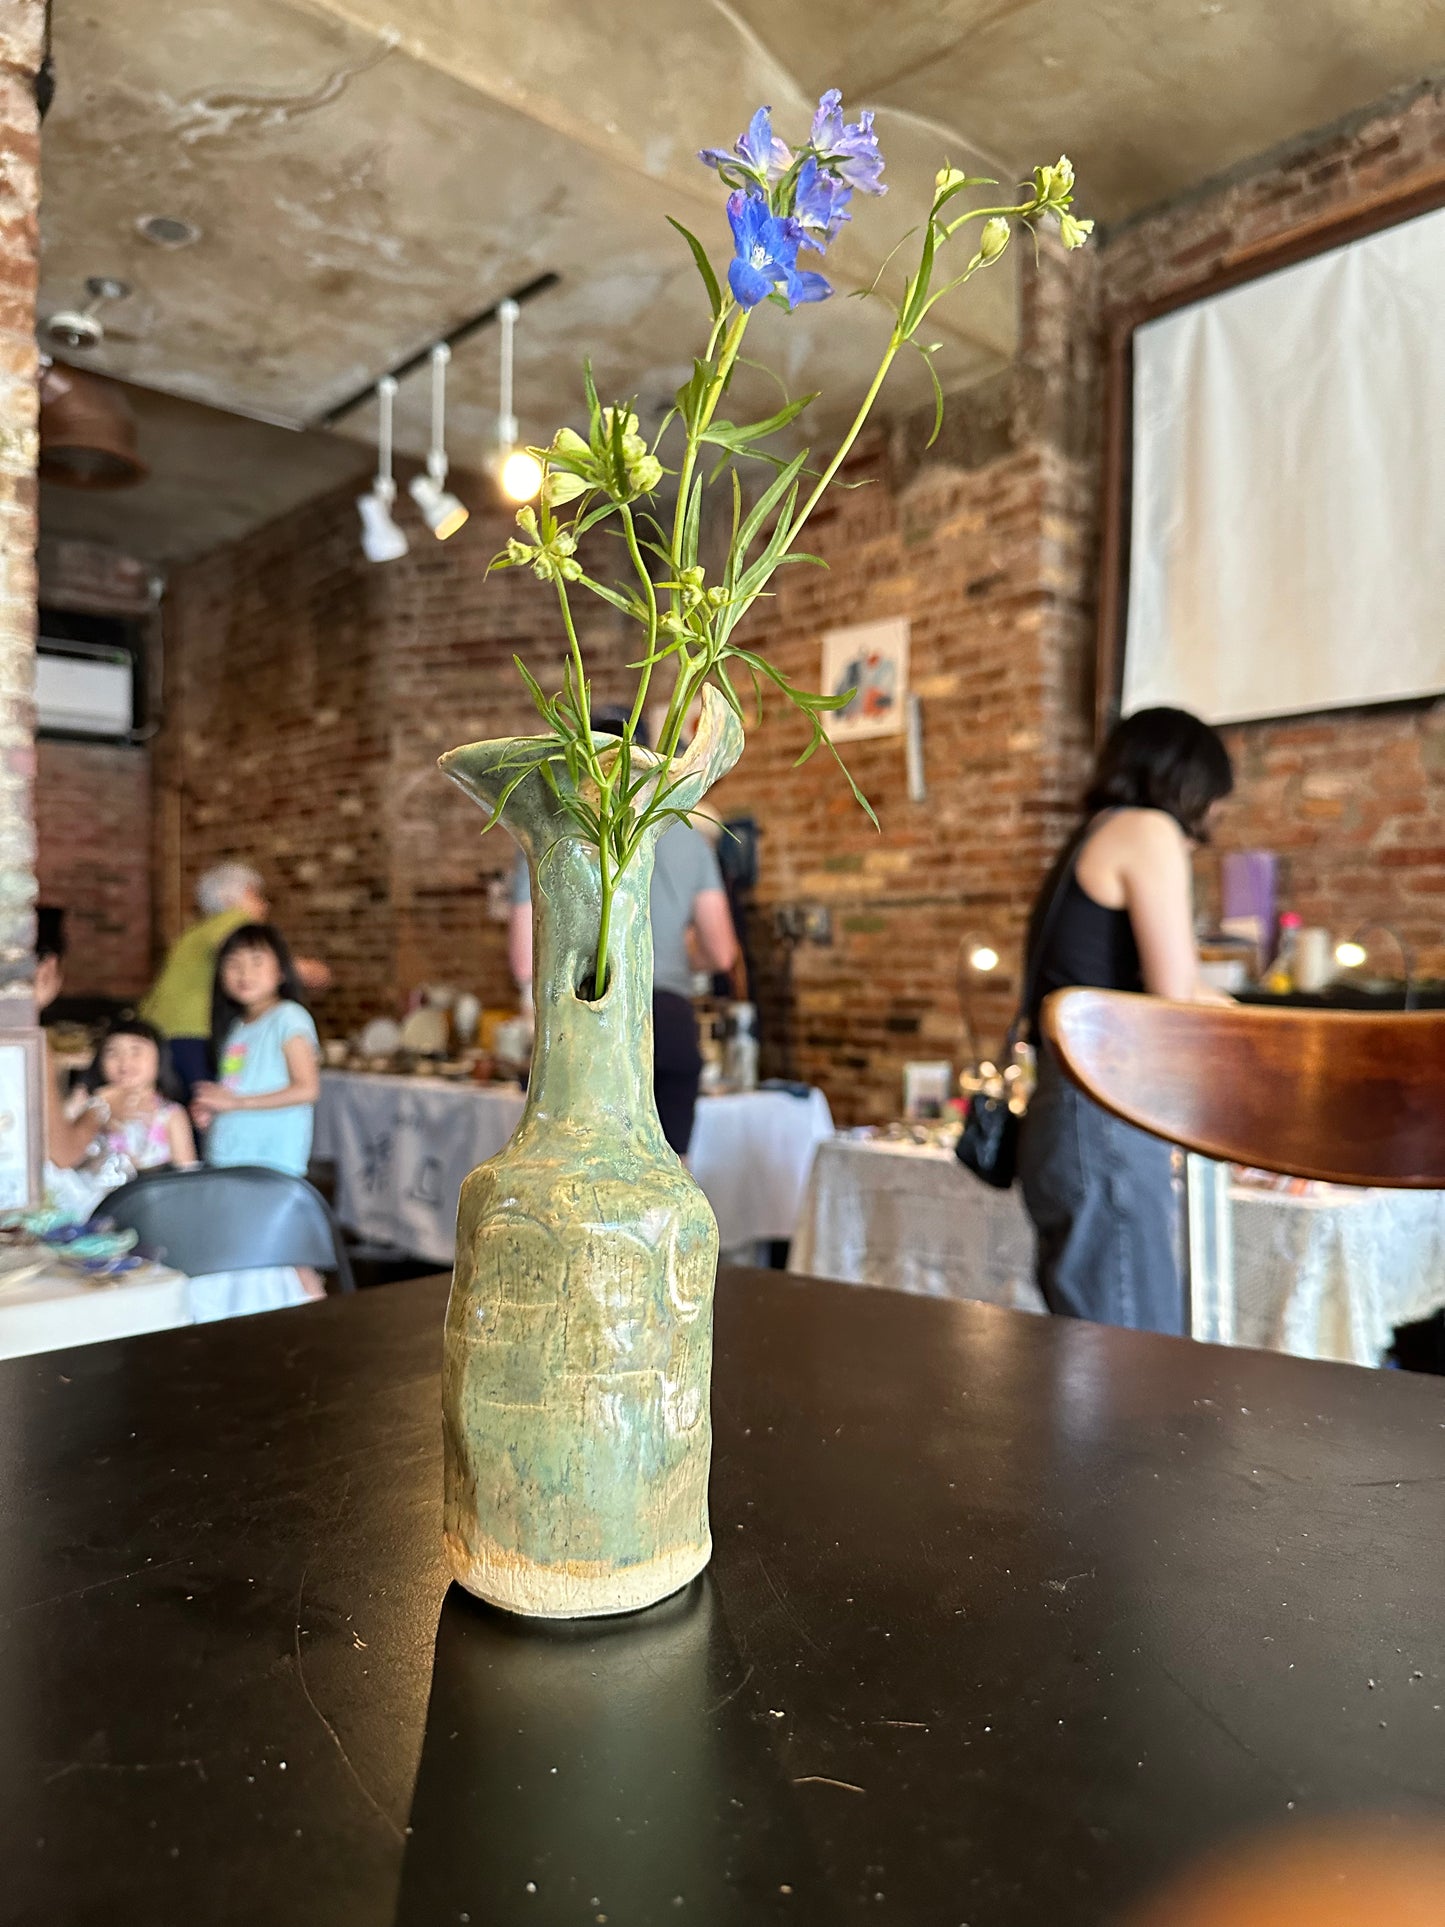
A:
x: 92, y: 827
x: 20, y: 40
x: 309, y: 694
x: 93, y: 800
x: 1351, y: 801
x: 987, y: 547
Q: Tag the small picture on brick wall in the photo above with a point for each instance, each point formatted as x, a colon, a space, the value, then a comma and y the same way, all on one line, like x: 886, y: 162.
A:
x: 870, y: 658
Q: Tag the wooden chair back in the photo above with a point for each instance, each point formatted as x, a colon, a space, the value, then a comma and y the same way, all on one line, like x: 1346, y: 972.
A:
x: 1351, y: 1097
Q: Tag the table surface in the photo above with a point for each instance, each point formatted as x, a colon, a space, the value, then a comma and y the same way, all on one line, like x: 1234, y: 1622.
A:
x: 1008, y: 1618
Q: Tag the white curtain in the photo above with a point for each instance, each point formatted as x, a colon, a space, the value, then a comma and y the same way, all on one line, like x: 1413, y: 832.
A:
x: 1288, y: 535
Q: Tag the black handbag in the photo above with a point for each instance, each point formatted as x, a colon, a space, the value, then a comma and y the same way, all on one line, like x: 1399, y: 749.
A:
x: 988, y: 1145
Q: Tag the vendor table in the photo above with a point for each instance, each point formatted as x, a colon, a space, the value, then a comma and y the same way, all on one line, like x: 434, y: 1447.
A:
x: 1008, y: 1620
x: 1326, y: 1275
x: 402, y: 1146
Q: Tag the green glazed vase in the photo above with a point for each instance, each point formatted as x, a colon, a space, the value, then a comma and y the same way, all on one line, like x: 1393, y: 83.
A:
x: 575, y: 1385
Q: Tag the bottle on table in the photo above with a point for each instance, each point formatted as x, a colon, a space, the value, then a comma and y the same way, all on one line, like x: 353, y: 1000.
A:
x: 1283, y: 972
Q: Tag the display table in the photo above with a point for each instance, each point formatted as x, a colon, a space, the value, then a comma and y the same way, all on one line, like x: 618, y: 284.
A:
x: 909, y: 1218
x: 402, y: 1146
x: 1009, y: 1619
x: 1322, y: 1276
x: 51, y: 1308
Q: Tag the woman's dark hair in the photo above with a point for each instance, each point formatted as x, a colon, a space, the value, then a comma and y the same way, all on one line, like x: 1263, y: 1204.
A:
x: 49, y: 932
x: 225, y: 1011
x: 1162, y: 759
x: 167, y: 1083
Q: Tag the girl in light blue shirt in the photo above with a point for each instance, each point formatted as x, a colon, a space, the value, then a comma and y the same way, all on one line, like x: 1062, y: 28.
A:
x: 262, y: 1108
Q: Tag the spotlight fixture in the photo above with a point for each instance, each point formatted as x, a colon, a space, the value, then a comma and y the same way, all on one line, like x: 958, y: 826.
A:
x: 79, y: 329
x: 520, y: 474
x: 442, y: 512
x: 381, y: 539
x: 983, y: 957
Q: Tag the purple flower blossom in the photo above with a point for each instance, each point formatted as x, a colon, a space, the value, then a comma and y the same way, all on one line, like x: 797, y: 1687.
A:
x: 762, y: 154
x: 821, y: 204
x: 767, y: 255
x: 851, y: 150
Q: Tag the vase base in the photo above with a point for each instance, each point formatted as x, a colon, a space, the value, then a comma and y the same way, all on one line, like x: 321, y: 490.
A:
x: 581, y: 1589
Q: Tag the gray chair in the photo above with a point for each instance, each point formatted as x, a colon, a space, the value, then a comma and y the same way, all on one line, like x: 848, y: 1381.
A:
x: 234, y: 1218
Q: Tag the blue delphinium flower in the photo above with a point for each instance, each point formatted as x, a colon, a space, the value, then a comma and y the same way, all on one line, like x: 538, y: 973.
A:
x: 821, y: 204
x: 767, y: 255
x: 761, y: 152
x: 850, y: 150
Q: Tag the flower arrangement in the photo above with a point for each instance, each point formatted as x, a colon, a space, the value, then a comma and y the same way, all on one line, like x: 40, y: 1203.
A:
x: 782, y: 202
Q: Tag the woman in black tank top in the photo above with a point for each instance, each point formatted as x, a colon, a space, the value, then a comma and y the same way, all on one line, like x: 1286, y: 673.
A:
x: 1099, y: 1191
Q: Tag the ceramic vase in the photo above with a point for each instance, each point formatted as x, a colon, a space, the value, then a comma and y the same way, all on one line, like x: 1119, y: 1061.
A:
x: 575, y: 1386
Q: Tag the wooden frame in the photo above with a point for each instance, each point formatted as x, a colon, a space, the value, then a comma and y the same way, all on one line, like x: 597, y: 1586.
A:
x: 1422, y: 194
x: 24, y: 1067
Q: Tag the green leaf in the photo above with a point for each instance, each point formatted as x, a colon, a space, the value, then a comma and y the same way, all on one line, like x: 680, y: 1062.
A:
x: 763, y: 508
x: 915, y: 299
x: 692, y: 523
x: 937, y: 393
x: 629, y: 605
x: 535, y: 689
x: 594, y: 406
x: 704, y: 267
x: 692, y: 395
x: 735, y: 435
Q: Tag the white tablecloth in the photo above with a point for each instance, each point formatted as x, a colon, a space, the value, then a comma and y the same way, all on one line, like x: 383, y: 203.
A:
x: 54, y: 1308
x: 403, y: 1145
x: 50, y: 1308
x: 1324, y: 1276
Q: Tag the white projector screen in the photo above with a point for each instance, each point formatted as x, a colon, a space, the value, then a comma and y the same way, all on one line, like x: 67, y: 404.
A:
x: 1287, y: 546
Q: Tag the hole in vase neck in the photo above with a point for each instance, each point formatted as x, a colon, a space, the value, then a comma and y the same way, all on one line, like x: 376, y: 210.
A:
x: 585, y: 989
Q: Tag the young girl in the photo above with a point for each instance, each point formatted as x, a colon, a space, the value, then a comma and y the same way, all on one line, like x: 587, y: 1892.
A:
x: 135, y: 1092
x: 262, y: 1110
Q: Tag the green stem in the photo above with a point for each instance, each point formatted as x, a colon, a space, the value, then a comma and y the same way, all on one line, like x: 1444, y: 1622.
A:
x: 604, y: 922
x: 640, y: 566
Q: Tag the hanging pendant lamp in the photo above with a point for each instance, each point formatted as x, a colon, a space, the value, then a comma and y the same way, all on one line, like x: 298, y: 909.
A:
x: 87, y: 432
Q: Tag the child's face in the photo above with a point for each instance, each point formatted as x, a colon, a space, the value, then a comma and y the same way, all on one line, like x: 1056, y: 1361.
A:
x: 131, y: 1063
x: 251, y: 976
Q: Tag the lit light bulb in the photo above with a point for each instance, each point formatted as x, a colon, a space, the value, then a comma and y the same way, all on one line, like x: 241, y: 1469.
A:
x: 521, y: 475
x: 1350, y: 955
x: 983, y: 957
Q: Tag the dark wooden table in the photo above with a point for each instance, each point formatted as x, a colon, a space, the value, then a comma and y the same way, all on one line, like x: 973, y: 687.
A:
x: 1008, y: 1619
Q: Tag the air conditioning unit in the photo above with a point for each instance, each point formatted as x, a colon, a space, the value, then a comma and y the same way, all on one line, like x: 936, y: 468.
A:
x: 84, y: 691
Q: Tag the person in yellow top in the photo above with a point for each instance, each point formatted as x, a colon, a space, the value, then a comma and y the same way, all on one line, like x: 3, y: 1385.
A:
x: 179, y: 1003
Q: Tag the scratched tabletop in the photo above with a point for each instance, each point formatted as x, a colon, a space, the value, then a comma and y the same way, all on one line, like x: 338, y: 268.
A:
x: 1009, y: 1620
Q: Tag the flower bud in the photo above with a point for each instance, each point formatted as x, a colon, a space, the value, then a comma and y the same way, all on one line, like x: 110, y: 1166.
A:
x: 645, y: 474
x: 568, y: 442
x: 947, y: 177
x: 527, y: 521
x: 994, y: 239
x: 561, y: 486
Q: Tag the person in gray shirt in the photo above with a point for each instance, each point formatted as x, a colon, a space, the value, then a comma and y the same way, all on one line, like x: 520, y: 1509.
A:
x: 692, y: 930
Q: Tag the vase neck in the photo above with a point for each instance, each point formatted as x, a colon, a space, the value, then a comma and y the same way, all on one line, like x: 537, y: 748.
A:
x: 592, y: 1058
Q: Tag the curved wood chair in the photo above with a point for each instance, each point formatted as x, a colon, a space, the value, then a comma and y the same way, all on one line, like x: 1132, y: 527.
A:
x: 1351, y: 1097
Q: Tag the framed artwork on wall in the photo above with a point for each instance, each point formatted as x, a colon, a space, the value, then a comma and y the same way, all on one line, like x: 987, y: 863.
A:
x: 870, y: 658
x: 22, y: 1118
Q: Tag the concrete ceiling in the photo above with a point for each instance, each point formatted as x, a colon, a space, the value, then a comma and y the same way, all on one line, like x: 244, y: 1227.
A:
x: 365, y: 178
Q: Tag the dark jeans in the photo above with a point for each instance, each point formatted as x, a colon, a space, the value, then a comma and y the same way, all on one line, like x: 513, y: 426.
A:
x: 1102, y: 1201
x: 191, y: 1058
x: 676, y: 1066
